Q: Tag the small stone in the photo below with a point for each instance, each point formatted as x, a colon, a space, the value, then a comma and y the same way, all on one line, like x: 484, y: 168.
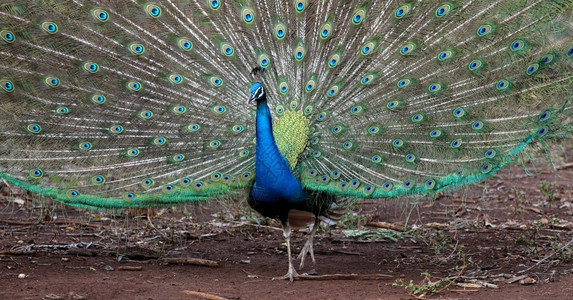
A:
x: 246, y: 261
x: 544, y: 221
x: 19, y: 201
x: 21, y: 276
x: 528, y: 281
x: 312, y: 272
x: 108, y: 268
x: 65, y: 259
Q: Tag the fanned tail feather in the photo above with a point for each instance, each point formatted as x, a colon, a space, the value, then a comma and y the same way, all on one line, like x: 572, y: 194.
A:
x: 137, y: 104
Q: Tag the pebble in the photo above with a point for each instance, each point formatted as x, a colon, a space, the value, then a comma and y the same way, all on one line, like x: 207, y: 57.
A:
x: 527, y: 281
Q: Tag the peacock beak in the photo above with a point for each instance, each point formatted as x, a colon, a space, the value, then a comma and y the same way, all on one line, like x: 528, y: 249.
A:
x: 251, y: 98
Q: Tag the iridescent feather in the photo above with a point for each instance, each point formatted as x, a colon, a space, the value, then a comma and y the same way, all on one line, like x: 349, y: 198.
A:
x: 136, y: 104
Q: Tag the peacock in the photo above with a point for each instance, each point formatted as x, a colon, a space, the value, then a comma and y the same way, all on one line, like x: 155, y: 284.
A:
x: 293, y: 106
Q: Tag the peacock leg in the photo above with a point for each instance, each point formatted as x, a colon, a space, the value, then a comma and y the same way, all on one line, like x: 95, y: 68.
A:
x: 287, y: 230
x: 309, y: 245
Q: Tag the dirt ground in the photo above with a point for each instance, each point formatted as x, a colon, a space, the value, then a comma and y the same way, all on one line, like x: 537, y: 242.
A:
x: 507, y: 238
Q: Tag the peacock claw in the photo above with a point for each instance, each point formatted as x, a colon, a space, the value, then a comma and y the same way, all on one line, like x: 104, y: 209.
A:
x: 287, y: 231
x: 290, y: 275
x: 309, y: 245
x: 308, y: 248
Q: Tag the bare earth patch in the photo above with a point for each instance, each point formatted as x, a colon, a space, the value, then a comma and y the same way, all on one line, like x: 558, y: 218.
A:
x: 507, y: 238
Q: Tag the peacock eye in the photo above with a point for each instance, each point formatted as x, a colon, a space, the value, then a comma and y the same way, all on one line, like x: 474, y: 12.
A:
x: 300, y: 5
x: 49, y: 27
x: 152, y: 10
x: 7, y: 36
x: 7, y: 85
x: 402, y: 11
x: 214, y: 4
x: 503, y: 85
x: 485, y: 30
x: 517, y: 45
x: 259, y: 93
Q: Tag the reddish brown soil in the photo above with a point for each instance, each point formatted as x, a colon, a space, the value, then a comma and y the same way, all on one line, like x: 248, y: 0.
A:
x: 487, y: 233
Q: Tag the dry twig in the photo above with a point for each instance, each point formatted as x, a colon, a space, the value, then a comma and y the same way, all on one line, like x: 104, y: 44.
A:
x: 130, y: 268
x: 204, y: 295
x: 190, y: 261
x: 547, y: 257
x: 344, y: 277
x: 386, y: 225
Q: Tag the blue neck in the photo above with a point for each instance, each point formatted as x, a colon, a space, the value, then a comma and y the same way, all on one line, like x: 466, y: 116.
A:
x: 274, y: 181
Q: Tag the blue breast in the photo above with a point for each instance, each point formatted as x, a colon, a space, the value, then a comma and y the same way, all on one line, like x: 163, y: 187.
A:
x: 276, y: 190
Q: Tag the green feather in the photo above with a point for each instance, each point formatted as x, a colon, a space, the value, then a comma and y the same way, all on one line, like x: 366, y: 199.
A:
x: 144, y: 104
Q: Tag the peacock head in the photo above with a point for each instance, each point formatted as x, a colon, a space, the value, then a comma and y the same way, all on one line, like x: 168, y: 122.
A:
x: 257, y: 92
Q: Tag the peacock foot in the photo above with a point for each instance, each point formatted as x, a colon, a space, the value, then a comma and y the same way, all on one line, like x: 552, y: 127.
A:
x: 309, y: 245
x: 308, y: 248
x: 290, y: 275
